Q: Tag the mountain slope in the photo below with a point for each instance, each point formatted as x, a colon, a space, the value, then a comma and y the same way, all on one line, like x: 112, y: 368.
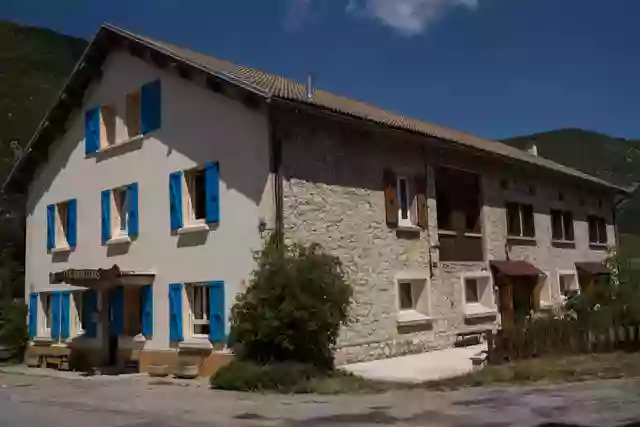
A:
x: 34, y: 64
x: 613, y: 159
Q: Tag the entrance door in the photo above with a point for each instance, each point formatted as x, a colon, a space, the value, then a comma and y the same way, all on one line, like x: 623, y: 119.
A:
x: 116, y: 322
x: 516, y: 298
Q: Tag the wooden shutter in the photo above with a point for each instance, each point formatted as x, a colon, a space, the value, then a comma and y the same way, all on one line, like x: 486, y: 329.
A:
x: 216, y: 312
x: 133, y: 113
x: 421, y: 201
x: 55, y: 316
x: 105, y: 215
x: 506, y: 304
x: 51, y: 227
x: 390, y: 197
x: 212, y: 190
x: 33, y: 315
x: 132, y: 210
x: 175, y: 312
x: 89, y: 308
x: 92, y: 130
x: 146, y: 302
x: 72, y: 223
x: 151, y: 106
x: 175, y: 200
x: 65, y: 307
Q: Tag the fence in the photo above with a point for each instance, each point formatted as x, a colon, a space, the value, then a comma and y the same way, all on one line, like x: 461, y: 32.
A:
x: 514, y: 343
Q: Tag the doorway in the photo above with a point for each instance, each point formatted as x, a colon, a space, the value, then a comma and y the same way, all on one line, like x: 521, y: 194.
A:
x: 116, y: 319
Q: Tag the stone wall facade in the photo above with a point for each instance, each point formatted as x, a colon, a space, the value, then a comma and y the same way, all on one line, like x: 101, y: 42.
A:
x: 333, y: 195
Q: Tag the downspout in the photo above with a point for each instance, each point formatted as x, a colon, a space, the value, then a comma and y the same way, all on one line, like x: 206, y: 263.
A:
x: 275, y: 160
x: 426, y: 177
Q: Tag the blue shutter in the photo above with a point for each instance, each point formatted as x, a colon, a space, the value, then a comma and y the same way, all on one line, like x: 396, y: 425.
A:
x: 92, y: 130
x: 116, y: 325
x: 175, y: 200
x: 72, y: 222
x: 216, y: 314
x: 105, y: 216
x: 55, y: 316
x: 175, y: 312
x: 33, y: 315
x: 65, y: 305
x: 212, y: 189
x: 132, y: 206
x: 150, y: 106
x: 51, y: 227
x: 146, y: 307
x: 89, y: 307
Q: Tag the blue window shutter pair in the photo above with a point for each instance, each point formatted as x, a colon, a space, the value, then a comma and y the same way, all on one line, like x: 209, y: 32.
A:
x: 132, y: 206
x: 212, y: 189
x: 116, y: 325
x: 51, y: 227
x: 216, y: 315
x: 72, y: 222
x: 175, y: 200
x: 146, y: 305
x: 175, y: 312
x: 33, y: 315
x: 92, y: 130
x: 55, y: 316
x: 89, y: 307
x: 212, y: 194
x: 65, y: 307
x: 105, y: 215
x: 150, y: 106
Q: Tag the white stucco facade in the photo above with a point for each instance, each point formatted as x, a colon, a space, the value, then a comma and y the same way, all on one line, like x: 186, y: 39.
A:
x: 198, y: 126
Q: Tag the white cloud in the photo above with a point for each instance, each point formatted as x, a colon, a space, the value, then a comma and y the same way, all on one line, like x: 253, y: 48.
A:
x: 410, y: 17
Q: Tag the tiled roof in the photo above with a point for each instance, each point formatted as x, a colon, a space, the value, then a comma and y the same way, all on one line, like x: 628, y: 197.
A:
x: 277, y: 87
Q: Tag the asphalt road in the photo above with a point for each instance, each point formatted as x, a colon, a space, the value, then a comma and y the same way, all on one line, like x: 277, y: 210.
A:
x: 31, y: 401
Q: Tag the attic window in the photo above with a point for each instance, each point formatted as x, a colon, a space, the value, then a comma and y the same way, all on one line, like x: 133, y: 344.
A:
x: 107, y: 126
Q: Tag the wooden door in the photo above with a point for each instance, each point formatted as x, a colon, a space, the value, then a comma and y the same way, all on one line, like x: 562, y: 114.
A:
x: 505, y: 289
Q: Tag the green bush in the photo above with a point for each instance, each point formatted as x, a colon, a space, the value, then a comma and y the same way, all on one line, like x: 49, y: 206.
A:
x: 13, y: 332
x: 293, y: 308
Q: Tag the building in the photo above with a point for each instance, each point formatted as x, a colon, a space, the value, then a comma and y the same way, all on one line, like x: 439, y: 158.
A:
x: 159, y: 170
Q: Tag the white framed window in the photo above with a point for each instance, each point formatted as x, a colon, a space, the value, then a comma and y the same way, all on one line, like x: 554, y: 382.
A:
x: 568, y: 283
x: 413, y: 299
x: 478, y: 295
x: 520, y: 220
x: 45, y: 303
x: 472, y: 290
x: 77, y: 315
x: 120, y: 217
x: 405, y: 202
x: 196, y: 195
x: 199, y: 307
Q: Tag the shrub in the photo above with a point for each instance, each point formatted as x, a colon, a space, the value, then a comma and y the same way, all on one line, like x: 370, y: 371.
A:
x: 13, y: 332
x: 293, y: 308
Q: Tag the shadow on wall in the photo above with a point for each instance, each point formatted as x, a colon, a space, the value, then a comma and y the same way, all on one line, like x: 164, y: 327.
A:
x: 209, y: 127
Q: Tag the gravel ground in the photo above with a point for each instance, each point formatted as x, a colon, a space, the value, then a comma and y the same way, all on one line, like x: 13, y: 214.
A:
x: 138, y: 401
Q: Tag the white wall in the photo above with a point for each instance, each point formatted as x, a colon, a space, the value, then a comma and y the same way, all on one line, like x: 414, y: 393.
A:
x: 197, y: 126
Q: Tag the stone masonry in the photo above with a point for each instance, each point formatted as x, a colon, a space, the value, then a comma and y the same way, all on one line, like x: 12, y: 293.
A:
x: 333, y: 195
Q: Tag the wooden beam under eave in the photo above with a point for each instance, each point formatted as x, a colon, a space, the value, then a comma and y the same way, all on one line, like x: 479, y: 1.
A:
x: 213, y: 84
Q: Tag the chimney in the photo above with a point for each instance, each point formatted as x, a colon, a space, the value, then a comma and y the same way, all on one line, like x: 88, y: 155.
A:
x: 532, y: 148
x: 309, y: 87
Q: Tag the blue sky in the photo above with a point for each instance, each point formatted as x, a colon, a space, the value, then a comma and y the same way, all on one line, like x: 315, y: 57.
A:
x: 496, y: 68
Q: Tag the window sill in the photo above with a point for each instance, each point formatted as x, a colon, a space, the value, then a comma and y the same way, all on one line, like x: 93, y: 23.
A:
x: 123, y: 238
x: 60, y: 249
x: 408, y: 228
x: 196, y: 344
x: 446, y: 233
x: 42, y: 340
x: 563, y: 243
x: 117, y: 145
x: 199, y: 227
x: 521, y: 239
x: 473, y: 235
x: 412, y: 317
x: 476, y: 310
x: 599, y: 246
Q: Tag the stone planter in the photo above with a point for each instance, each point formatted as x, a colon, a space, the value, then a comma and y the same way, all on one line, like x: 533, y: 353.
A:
x: 187, y: 367
x: 158, y: 370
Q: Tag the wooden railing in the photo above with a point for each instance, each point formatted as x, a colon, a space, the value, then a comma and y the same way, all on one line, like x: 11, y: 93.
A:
x: 505, y: 345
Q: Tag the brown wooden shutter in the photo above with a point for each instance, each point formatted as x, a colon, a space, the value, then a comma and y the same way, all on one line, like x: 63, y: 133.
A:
x: 390, y: 197
x: 421, y: 201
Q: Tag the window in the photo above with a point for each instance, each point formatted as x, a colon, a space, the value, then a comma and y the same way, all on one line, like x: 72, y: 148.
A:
x: 471, y: 291
x: 568, y: 284
x: 199, y: 308
x: 562, y: 225
x: 520, y: 222
x: 410, y: 294
x: 197, y: 195
x: 62, y: 224
x: 597, y: 229
x: 406, y: 297
x: 78, y: 315
x: 45, y: 299
x: 107, y: 126
x: 121, y: 217
x: 405, y: 198
x: 132, y: 121
x: 458, y: 200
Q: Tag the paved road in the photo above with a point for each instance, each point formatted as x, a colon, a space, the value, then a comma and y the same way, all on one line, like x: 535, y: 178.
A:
x: 138, y: 402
